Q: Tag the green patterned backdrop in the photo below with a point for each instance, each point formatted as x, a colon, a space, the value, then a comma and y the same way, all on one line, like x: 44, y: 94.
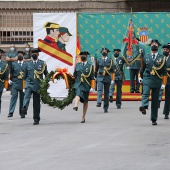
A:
x: 97, y: 30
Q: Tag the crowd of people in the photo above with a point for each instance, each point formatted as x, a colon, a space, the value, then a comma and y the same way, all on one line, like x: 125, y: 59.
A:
x: 24, y: 72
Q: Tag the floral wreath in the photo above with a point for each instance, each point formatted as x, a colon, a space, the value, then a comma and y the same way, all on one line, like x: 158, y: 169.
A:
x: 69, y: 80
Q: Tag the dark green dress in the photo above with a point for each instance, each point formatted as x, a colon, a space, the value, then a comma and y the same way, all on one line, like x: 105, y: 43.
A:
x: 84, y: 74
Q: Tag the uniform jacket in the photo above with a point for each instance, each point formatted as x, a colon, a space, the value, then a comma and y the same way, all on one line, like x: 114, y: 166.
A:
x: 34, y: 74
x: 4, y: 71
x: 100, y: 64
x: 136, y: 64
x: 168, y: 72
x: 87, y: 69
x: 153, y: 80
x: 17, y: 73
x: 27, y: 55
x: 119, y: 74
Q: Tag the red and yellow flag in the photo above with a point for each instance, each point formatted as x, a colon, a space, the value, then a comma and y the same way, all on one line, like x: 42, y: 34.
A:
x: 55, y: 52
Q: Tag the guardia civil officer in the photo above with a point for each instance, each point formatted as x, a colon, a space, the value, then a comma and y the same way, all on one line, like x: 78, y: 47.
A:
x: 134, y: 71
x: 27, y: 55
x: 35, y: 70
x: 104, y: 75
x: 17, y: 72
x: 167, y: 87
x: 119, y: 78
x: 4, y: 72
x: 165, y: 52
x: 154, y: 77
x: 11, y: 55
x: 84, y: 81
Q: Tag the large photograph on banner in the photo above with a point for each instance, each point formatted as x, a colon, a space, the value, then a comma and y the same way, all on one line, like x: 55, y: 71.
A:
x: 55, y: 35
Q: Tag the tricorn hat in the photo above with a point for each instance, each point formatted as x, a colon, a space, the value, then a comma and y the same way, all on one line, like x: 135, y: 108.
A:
x: 2, y: 51
x: 21, y: 52
x: 84, y: 53
x: 35, y: 50
x: 105, y: 49
x: 117, y: 50
x: 156, y: 41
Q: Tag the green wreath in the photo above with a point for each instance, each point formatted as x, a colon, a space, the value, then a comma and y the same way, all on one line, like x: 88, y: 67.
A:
x: 46, y: 98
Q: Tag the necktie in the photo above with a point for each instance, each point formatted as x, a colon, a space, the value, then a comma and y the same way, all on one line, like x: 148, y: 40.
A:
x: 153, y: 57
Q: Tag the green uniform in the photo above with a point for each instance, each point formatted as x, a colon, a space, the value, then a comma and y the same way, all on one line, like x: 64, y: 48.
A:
x: 4, y: 72
x: 61, y: 45
x: 17, y: 72
x: 134, y: 71
x: 104, y: 69
x: 33, y: 76
x: 119, y: 79
x: 27, y: 55
x: 84, y: 73
x: 154, y: 69
x: 167, y: 90
x: 11, y: 54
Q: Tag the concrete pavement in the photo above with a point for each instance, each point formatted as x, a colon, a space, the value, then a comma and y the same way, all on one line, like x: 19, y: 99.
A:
x: 121, y: 139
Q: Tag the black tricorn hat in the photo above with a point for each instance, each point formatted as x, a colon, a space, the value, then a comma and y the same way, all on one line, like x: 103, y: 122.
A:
x: 156, y: 41
x: 21, y: 52
x: 105, y: 49
x: 117, y: 50
x: 2, y: 51
x: 84, y: 53
x: 165, y: 46
x: 35, y: 50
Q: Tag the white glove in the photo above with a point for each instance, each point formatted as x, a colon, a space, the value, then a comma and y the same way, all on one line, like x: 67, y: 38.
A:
x: 92, y: 90
x: 23, y: 90
x: 112, y: 82
x: 140, y: 80
x: 4, y: 90
x: 10, y: 82
x: 163, y: 86
x: 128, y: 67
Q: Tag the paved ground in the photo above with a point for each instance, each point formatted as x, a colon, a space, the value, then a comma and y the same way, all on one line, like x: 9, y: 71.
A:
x: 119, y: 140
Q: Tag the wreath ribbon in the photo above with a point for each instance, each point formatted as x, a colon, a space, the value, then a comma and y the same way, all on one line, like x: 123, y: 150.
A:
x: 64, y: 72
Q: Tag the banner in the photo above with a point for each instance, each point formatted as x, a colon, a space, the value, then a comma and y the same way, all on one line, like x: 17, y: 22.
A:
x: 55, y: 35
x: 97, y: 30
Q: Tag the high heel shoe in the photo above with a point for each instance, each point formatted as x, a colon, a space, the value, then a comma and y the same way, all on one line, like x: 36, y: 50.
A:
x: 75, y: 108
x: 83, y: 121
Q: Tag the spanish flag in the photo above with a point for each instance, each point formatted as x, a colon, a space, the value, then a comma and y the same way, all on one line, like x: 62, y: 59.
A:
x: 78, y: 46
x: 78, y: 59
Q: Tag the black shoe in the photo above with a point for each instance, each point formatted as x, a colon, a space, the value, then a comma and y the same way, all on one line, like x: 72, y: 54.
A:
x: 105, y: 111
x: 22, y: 116
x: 10, y: 115
x: 24, y: 111
x: 143, y: 110
x: 137, y: 91
x: 75, y: 108
x: 111, y: 99
x: 98, y: 105
x: 154, y: 123
x: 166, y: 117
x: 118, y: 107
x: 83, y: 121
x: 131, y: 91
x: 36, y: 123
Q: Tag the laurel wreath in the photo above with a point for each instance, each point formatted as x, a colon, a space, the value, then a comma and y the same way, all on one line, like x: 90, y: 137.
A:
x: 47, y: 99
